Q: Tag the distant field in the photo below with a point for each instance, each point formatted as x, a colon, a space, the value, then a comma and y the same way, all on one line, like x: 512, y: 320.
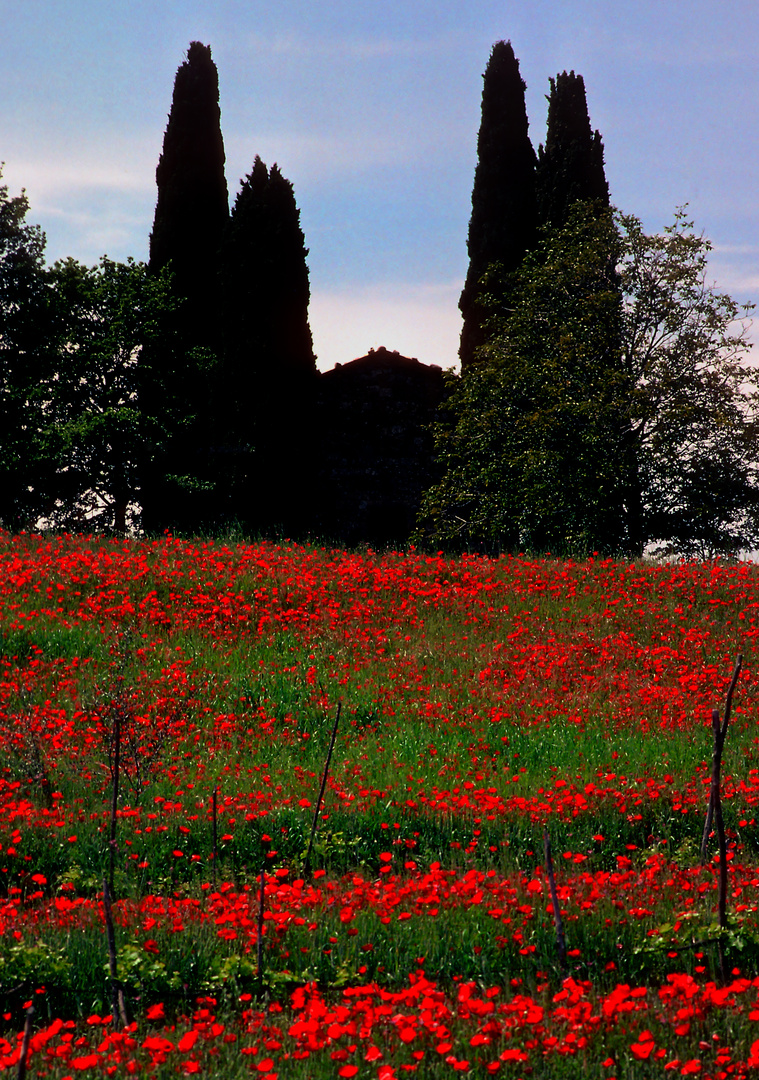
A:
x: 481, y: 702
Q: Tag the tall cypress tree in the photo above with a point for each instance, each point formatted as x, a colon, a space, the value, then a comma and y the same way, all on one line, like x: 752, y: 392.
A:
x: 269, y: 370
x: 193, y: 203
x: 571, y: 164
x: 265, y: 279
x: 191, y: 214
x: 503, y: 222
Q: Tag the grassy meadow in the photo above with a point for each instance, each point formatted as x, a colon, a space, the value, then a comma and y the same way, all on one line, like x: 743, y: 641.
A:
x: 484, y: 707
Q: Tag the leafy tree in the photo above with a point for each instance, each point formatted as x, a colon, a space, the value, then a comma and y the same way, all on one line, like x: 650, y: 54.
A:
x: 695, y: 406
x: 503, y: 222
x: 22, y: 335
x: 267, y: 382
x: 612, y: 411
x: 571, y: 164
x: 94, y: 434
x: 535, y: 451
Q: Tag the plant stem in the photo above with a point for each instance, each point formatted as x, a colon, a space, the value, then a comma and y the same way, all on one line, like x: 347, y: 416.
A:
x: 114, y: 794
x: 720, y: 731
x: 317, y: 811
x: 260, y: 938
x: 561, y: 944
x: 118, y: 1006
x: 21, y: 1073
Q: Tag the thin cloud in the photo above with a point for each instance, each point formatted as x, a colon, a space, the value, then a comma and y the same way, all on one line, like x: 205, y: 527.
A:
x: 318, y: 156
x: 731, y: 277
x: 735, y: 249
x: 351, y: 49
x: 690, y: 49
x: 50, y: 170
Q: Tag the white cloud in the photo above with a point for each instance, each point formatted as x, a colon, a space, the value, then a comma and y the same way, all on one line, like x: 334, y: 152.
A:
x: 735, y: 249
x: 49, y: 164
x: 735, y: 276
x: 320, y: 155
x: 417, y: 320
x: 87, y: 207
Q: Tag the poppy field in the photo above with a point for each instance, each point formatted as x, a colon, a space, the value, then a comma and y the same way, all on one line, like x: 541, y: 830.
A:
x: 274, y: 810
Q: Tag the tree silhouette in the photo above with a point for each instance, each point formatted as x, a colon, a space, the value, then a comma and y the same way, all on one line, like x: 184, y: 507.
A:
x: 22, y: 347
x: 177, y: 380
x: 266, y: 389
x: 193, y: 203
x: 503, y: 222
x: 571, y: 164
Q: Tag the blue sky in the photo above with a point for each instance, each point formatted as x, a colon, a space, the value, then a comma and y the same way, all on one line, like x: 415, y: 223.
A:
x: 372, y: 110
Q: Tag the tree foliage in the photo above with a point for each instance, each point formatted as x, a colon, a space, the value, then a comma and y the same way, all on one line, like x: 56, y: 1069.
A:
x: 694, y: 411
x: 72, y: 436
x: 22, y: 335
x: 94, y: 434
x: 613, y: 409
x: 534, y: 450
x: 265, y: 281
x: 571, y: 164
x: 503, y: 222
x: 192, y: 211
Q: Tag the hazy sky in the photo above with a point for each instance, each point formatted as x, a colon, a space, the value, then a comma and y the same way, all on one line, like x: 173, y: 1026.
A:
x: 371, y: 110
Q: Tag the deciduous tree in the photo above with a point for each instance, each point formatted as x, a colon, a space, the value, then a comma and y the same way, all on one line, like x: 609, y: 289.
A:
x: 695, y: 405
x: 95, y: 437
x: 22, y: 340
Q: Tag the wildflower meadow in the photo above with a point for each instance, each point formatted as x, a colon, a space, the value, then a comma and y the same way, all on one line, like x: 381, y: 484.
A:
x: 275, y: 810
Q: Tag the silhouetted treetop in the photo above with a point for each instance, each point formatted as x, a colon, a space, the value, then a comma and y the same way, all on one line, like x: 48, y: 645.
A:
x: 193, y: 203
x: 503, y: 222
x: 571, y: 164
x: 265, y: 276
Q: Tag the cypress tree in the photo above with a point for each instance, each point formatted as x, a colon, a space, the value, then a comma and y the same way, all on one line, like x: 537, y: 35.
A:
x: 269, y: 368
x: 503, y: 222
x: 571, y: 164
x: 193, y: 203
x: 177, y: 376
x: 265, y: 280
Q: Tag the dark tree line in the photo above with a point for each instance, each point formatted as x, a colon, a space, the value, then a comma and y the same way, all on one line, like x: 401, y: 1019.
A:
x: 174, y: 394
x: 604, y: 402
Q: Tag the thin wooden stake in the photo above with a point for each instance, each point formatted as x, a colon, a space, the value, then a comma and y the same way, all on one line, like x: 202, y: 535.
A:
x: 260, y: 938
x: 21, y: 1072
x: 719, y: 731
x: 314, y: 824
x: 215, y: 834
x: 114, y: 794
x: 561, y: 944
x: 118, y: 1005
x: 722, y: 901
